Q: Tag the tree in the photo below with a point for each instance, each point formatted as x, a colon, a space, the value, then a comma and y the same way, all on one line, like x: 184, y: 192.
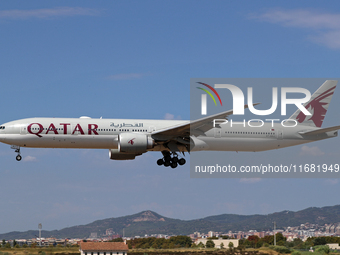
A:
x: 281, y: 243
x: 323, y: 249
x: 253, y: 240
x: 296, y: 253
x: 222, y: 245
x: 119, y: 239
x: 210, y: 244
x: 200, y: 245
x: 281, y: 249
x: 297, y: 242
x: 231, y: 245
x: 181, y: 241
x: 165, y: 245
x: 320, y: 241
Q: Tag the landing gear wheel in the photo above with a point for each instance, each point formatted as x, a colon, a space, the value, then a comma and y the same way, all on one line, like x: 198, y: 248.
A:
x: 167, y: 157
x: 173, y: 165
x: 182, y: 161
x: 170, y: 158
x: 175, y: 159
x: 18, y: 157
x: 160, y: 162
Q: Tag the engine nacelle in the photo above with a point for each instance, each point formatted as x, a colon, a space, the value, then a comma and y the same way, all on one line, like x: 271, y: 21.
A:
x: 116, y: 155
x: 134, y: 143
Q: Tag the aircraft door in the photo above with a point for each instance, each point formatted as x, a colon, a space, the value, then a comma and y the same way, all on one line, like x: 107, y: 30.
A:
x: 279, y: 135
x: 23, y: 129
x: 217, y: 132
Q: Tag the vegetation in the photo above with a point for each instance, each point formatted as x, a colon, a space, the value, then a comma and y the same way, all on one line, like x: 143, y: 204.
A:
x: 322, y: 249
x: 295, y: 247
x: 253, y: 245
x: 40, y: 251
x: 210, y: 244
x: 161, y: 243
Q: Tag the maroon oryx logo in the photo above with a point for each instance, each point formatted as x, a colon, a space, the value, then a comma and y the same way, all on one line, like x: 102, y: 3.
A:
x: 131, y: 141
x: 317, y: 106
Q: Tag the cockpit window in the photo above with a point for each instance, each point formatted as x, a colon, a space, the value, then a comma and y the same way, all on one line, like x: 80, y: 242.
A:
x: 2, y: 127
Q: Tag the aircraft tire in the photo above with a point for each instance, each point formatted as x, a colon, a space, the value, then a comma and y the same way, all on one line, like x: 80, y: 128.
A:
x: 173, y: 165
x: 167, y: 157
x: 182, y: 161
x: 160, y: 162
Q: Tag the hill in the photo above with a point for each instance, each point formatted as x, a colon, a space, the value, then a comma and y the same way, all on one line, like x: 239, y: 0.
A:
x: 148, y: 222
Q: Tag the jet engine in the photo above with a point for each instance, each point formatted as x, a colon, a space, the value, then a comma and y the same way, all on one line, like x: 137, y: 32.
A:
x: 131, y: 145
x: 134, y: 143
x: 116, y: 155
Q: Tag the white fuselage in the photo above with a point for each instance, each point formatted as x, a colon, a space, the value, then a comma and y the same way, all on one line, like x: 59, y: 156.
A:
x: 91, y: 133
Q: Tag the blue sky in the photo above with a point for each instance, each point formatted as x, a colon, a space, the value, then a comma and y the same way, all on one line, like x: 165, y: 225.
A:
x: 134, y: 59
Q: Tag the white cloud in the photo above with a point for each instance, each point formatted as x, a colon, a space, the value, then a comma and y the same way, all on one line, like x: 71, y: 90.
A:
x: 331, y: 181
x: 48, y: 13
x: 126, y: 76
x: 324, y: 27
x: 250, y: 180
x: 29, y: 159
x: 169, y: 116
x: 311, y: 151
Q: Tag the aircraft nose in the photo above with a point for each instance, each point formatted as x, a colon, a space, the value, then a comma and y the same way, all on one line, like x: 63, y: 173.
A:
x: 2, y: 133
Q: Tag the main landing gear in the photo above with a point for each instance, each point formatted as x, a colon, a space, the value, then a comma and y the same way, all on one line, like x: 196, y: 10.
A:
x: 17, y: 150
x: 170, y: 159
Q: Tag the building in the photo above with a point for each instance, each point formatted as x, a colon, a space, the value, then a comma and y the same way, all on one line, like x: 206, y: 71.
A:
x: 333, y: 246
x: 211, y: 233
x: 103, y: 248
x: 109, y: 232
x: 93, y: 235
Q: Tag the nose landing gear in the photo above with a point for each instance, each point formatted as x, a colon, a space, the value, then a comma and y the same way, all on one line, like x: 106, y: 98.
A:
x: 17, y: 150
x: 171, y: 159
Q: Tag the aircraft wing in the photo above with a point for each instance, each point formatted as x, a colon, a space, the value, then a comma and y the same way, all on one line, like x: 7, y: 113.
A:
x: 196, y: 127
x: 320, y: 131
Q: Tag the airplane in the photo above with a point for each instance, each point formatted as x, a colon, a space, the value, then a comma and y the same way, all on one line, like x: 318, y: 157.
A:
x: 127, y: 138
